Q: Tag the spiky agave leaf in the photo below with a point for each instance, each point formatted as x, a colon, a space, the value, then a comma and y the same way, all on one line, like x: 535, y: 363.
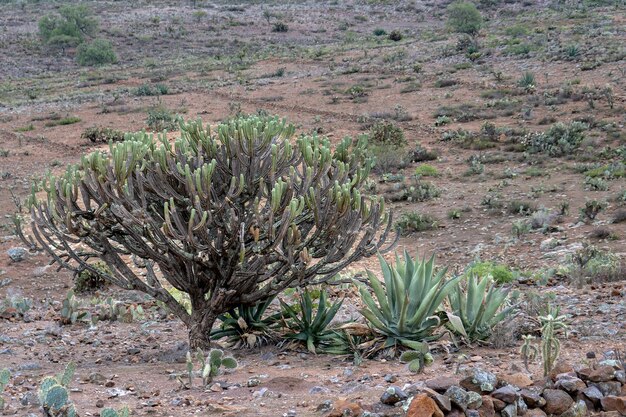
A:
x: 405, y: 306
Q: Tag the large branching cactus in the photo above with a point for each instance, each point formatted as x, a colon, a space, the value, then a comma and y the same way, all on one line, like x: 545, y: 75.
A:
x: 230, y: 216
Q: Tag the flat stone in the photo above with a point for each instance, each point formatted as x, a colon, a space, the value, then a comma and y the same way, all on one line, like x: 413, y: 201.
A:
x: 423, y: 406
x: 487, y: 409
x: 570, y: 384
x: 474, y: 400
x: 17, y: 254
x: 343, y: 408
x: 613, y: 403
x: 498, y: 405
x: 593, y: 393
x: 458, y: 396
x: 479, y: 381
x: 602, y: 374
x: 535, y: 412
x: 532, y: 398
x: 509, y: 411
x: 518, y: 379
x: 578, y: 409
x: 557, y: 401
x: 521, y: 406
x: 472, y: 413
x: 441, y: 383
x: 561, y: 367
x: 508, y: 394
x: 608, y: 388
x: 393, y: 395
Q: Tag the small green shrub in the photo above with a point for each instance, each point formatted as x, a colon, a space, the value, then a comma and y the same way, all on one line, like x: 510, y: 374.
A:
x: 95, y: 53
x: 379, y: 32
x: 69, y: 27
x: 69, y: 120
x: 464, y: 17
x: 500, y: 273
x: 102, y: 134
x: 559, y: 140
x: 280, y: 27
x: 86, y: 280
x: 414, y: 222
x: 151, y: 90
x: 395, y: 36
x: 525, y: 208
x: 387, y: 134
x: 591, y: 209
x: 160, y: 118
x: 426, y: 170
x: 527, y: 82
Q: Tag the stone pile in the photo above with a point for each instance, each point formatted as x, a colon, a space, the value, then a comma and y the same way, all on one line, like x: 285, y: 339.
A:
x: 567, y: 392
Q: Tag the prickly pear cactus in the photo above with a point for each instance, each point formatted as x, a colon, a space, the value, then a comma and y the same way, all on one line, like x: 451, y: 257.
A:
x: 5, y: 375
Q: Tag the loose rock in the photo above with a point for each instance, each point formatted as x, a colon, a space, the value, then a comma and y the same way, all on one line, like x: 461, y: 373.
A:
x: 393, y: 395
x: 557, y: 401
x: 423, y: 406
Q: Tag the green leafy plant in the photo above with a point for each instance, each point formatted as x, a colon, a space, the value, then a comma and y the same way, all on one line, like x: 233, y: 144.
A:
x: 102, y: 134
x: 550, y: 344
x: 95, y: 53
x: 464, y: 17
x: 280, y: 27
x: 69, y: 28
x: 520, y: 228
x: 86, y: 280
x: 477, y: 308
x: 527, y: 82
x: 500, y: 273
x: 161, y: 118
x: 414, y: 222
x: 417, y: 358
x: 426, y: 170
x: 559, y: 140
x: 591, y: 209
x: 245, y: 326
x: 388, y: 134
x: 406, y: 304
x: 307, y: 326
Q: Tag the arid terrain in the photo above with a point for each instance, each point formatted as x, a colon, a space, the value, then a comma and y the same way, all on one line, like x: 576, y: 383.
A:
x: 469, y: 109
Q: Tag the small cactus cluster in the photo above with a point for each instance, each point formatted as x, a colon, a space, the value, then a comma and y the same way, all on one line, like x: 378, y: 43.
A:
x: 209, y: 365
x: 54, y: 394
x: 528, y: 351
x: 109, y: 412
x: 70, y: 313
x: 5, y: 375
x: 115, y: 310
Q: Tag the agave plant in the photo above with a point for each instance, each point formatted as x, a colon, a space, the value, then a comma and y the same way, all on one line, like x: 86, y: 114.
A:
x: 245, y: 326
x: 477, y: 308
x: 307, y: 327
x: 406, y: 305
